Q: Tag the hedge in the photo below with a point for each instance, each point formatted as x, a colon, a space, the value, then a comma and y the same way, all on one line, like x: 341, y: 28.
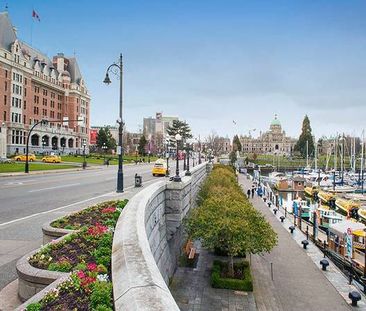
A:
x: 245, y: 284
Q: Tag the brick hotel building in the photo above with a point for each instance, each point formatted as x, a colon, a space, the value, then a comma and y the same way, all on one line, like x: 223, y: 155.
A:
x: 34, y: 87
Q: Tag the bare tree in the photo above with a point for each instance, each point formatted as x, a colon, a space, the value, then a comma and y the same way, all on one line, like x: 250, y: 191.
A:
x: 213, y: 142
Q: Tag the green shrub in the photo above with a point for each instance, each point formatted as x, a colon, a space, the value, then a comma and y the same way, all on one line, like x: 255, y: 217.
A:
x: 36, y: 306
x: 101, y: 295
x: 244, y: 284
x: 62, y: 266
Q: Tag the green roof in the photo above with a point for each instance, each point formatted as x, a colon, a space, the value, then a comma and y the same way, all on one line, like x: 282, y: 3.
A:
x: 276, y: 121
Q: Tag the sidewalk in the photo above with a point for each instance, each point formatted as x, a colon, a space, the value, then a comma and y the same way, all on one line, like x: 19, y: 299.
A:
x: 298, y: 283
x: 192, y: 290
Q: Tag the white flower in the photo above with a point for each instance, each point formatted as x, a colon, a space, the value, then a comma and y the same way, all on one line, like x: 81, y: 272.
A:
x: 102, y: 277
x: 42, y: 256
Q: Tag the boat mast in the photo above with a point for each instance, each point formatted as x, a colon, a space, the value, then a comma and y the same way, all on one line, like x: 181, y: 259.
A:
x: 362, y: 162
x: 316, y: 154
x: 342, y: 159
x: 354, y: 154
x: 307, y: 154
x: 335, y: 152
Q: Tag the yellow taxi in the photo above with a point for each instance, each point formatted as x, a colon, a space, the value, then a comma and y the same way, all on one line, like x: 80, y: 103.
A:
x: 23, y: 157
x: 51, y: 159
x: 159, y: 168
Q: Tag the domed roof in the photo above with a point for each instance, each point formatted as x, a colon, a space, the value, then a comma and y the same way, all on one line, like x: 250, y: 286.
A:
x: 276, y: 121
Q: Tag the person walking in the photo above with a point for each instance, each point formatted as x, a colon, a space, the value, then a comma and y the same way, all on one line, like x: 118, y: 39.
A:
x: 253, y: 190
x: 248, y: 193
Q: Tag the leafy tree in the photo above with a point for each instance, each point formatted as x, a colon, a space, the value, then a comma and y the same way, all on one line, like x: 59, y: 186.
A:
x: 226, y: 219
x: 142, y: 144
x: 104, y: 137
x: 180, y: 127
x: 233, y: 157
x: 236, y: 143
x: 305, y: 136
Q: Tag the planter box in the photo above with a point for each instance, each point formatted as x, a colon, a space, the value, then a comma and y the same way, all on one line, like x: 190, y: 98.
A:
x: 32, y: 280
x: 37, y: 297
x: 51, y: 233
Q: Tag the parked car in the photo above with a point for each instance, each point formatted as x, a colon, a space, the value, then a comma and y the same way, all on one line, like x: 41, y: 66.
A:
x: 51, y: 159
x: 159, y: 168
x: 5, y: 160
x: 23, y: 157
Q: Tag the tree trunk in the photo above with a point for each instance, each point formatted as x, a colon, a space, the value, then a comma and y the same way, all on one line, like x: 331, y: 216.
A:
x: 231, y: 266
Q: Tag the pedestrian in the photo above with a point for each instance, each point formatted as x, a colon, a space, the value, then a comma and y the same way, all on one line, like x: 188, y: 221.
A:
x: 253, y: 190
x: 107, y: 162
x: 248, y: 193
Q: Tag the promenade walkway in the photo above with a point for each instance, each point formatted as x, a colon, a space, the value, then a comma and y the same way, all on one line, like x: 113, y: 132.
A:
x: 192, y: 290
x: 298, y: 283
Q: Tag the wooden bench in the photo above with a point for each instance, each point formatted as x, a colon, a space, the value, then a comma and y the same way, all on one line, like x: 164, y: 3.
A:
x: 190, y: 250
x: 192, y: 253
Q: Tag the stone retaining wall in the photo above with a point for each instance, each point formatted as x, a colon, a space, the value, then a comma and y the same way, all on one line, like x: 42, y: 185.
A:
x: 32, y: 280
x: 147, y: 242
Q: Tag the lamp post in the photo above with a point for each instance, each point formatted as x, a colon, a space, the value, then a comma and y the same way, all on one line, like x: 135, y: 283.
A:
x: 209, y: 156
x: 188, y: 173
x: 167, y: 156
x: 104, y: 148
x: 364, y: 265
x: 107, y: 80
x: 43, y: 144
x: 199, y: 150
x: 84, y: 163
x: 177, y: 178
x: 26, y: 168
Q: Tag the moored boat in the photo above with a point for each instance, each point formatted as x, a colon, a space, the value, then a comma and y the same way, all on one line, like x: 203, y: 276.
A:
x: 326, y: 197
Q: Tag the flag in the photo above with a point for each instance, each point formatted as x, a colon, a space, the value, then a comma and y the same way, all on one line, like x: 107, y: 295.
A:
x: 35, y: 15
x: 234, y: 122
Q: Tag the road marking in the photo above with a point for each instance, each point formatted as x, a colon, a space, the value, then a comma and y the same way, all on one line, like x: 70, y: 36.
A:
x: 69, y: 205
x: 55, y: 209
x: 56, y: 187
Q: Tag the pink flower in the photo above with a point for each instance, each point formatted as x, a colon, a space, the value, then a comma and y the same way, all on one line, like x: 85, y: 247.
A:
x: 98, y: 229
x: 81, y: 274
x: 108, y: 210
x: 92, y: 266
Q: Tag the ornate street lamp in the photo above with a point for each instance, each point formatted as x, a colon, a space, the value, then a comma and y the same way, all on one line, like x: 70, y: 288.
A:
x: 104, y: 148
x: 188, y: 173
x: 84, y: 163
x: 167, y: 156
x: 177, y: 178
x: 43, y: 122
x: 107, y: 80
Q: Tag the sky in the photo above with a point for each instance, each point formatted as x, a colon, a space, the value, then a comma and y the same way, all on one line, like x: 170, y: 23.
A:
x: 212, y: 62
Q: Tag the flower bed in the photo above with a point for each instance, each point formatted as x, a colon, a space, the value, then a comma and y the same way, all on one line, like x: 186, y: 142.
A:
x: 87, y: 254
x: 242, y: 279
x: 101, y: 213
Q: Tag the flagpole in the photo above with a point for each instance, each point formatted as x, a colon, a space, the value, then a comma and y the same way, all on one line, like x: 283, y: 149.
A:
x: 31, y: 39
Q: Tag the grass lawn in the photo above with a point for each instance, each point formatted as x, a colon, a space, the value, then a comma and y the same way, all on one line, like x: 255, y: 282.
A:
x: 19, y: 167
x: 100, y: 159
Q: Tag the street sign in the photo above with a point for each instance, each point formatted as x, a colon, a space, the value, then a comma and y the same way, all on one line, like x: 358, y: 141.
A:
x: 119, y: 150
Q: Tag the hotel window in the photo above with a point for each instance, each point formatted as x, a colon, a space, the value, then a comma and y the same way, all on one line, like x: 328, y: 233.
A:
x: 4, y: 115
x: 24, y: 119
x: 6, y: 85
x: 25, y: 81
x: 6, y: 73
x: 25, y: 105
x: 25, y: 92
x: 5, y: 99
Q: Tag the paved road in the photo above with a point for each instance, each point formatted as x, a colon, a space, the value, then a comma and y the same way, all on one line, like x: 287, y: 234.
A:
x: 26, y: 202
